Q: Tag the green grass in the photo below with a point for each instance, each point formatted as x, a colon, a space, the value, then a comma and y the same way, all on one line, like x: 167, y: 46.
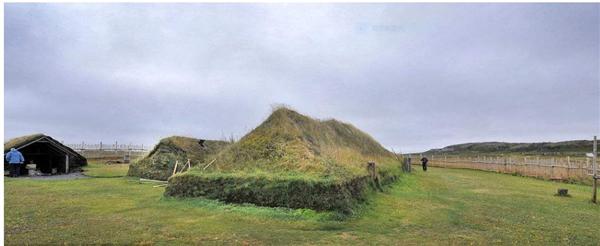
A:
x: 99, y: 169
x: 442, y: 206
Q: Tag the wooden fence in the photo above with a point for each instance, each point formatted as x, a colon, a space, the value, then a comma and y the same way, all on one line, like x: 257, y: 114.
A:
x: 115, y: 151
x: 109, y: 147
x: 554, y: 168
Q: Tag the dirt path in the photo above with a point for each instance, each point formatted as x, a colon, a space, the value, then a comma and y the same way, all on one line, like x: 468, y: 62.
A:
x: 74, y: 175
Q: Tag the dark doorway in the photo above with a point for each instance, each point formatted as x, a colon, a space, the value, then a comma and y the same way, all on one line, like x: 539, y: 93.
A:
x: 45, y: 156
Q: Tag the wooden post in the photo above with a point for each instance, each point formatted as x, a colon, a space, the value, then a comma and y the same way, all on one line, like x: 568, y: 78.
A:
x: 595, y: 171
x: 536, y: 172
x: 67, y: 163
x: 371, y: 169
x: 568, y: 167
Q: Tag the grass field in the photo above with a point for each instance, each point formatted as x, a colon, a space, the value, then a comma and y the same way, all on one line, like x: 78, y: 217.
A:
x: 442, y: 206
x: 99, y: 169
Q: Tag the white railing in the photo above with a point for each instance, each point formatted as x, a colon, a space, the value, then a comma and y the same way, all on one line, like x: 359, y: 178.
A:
x: 109, y: 147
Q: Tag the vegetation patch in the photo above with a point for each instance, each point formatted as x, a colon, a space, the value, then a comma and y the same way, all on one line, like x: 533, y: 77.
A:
x: 294, y: 161
x: 102, y: 170
x: 573, y: 148
x: 273, y: 192
x: 160, y: 161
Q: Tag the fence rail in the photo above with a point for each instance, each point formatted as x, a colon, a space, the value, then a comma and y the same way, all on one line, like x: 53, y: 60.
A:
x: 109, y: 147
x: 114, y: 151
x: 557, y: 168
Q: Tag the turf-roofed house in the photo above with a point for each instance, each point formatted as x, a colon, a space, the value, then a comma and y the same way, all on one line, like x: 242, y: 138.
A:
x: 294, y: 161
x: 48, y: 155
x: 160, y: 162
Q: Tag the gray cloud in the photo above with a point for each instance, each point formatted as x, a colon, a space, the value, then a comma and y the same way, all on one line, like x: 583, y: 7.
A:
x: 415, y: 76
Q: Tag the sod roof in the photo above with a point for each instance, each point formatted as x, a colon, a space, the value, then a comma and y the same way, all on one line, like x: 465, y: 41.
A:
x: 159, y: 162
x: 288, y: 141
x: 194, y: 149
x: 20, y: 141
x: 23, y: 141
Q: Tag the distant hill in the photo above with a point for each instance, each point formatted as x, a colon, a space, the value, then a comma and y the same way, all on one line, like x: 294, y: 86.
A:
x: 575, y: 147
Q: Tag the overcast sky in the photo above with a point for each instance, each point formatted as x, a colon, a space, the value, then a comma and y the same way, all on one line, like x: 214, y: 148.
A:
x: 414, y: 76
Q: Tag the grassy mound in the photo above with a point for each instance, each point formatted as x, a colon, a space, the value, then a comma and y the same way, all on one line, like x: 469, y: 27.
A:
x: 159, y: 163
x: 292, y: 160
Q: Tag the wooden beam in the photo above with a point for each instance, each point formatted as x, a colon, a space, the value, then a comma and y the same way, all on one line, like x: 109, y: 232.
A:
x: 209, y: 164
x: 152, y: 180
x: 67, y: 163
x: 175, y: 168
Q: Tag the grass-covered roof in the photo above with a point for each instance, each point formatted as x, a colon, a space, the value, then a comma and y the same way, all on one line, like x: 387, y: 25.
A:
x: 20, y: 141
x: 160, y: 161
x: 291, y: 142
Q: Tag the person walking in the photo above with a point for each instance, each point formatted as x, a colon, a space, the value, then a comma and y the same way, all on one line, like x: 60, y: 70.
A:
x: 424, y: 161
x: 15, y: 159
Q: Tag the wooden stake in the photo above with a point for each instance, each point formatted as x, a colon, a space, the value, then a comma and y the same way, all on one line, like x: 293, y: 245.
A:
x: 209, y: 164
x: 401, y: 162
x: 152, y: 180
x: 569, y: 172
x: 595, y: 171
x: 175, y: 168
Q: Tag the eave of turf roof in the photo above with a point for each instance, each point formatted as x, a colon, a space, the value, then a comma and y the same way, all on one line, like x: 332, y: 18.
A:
x: 19, y: 141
